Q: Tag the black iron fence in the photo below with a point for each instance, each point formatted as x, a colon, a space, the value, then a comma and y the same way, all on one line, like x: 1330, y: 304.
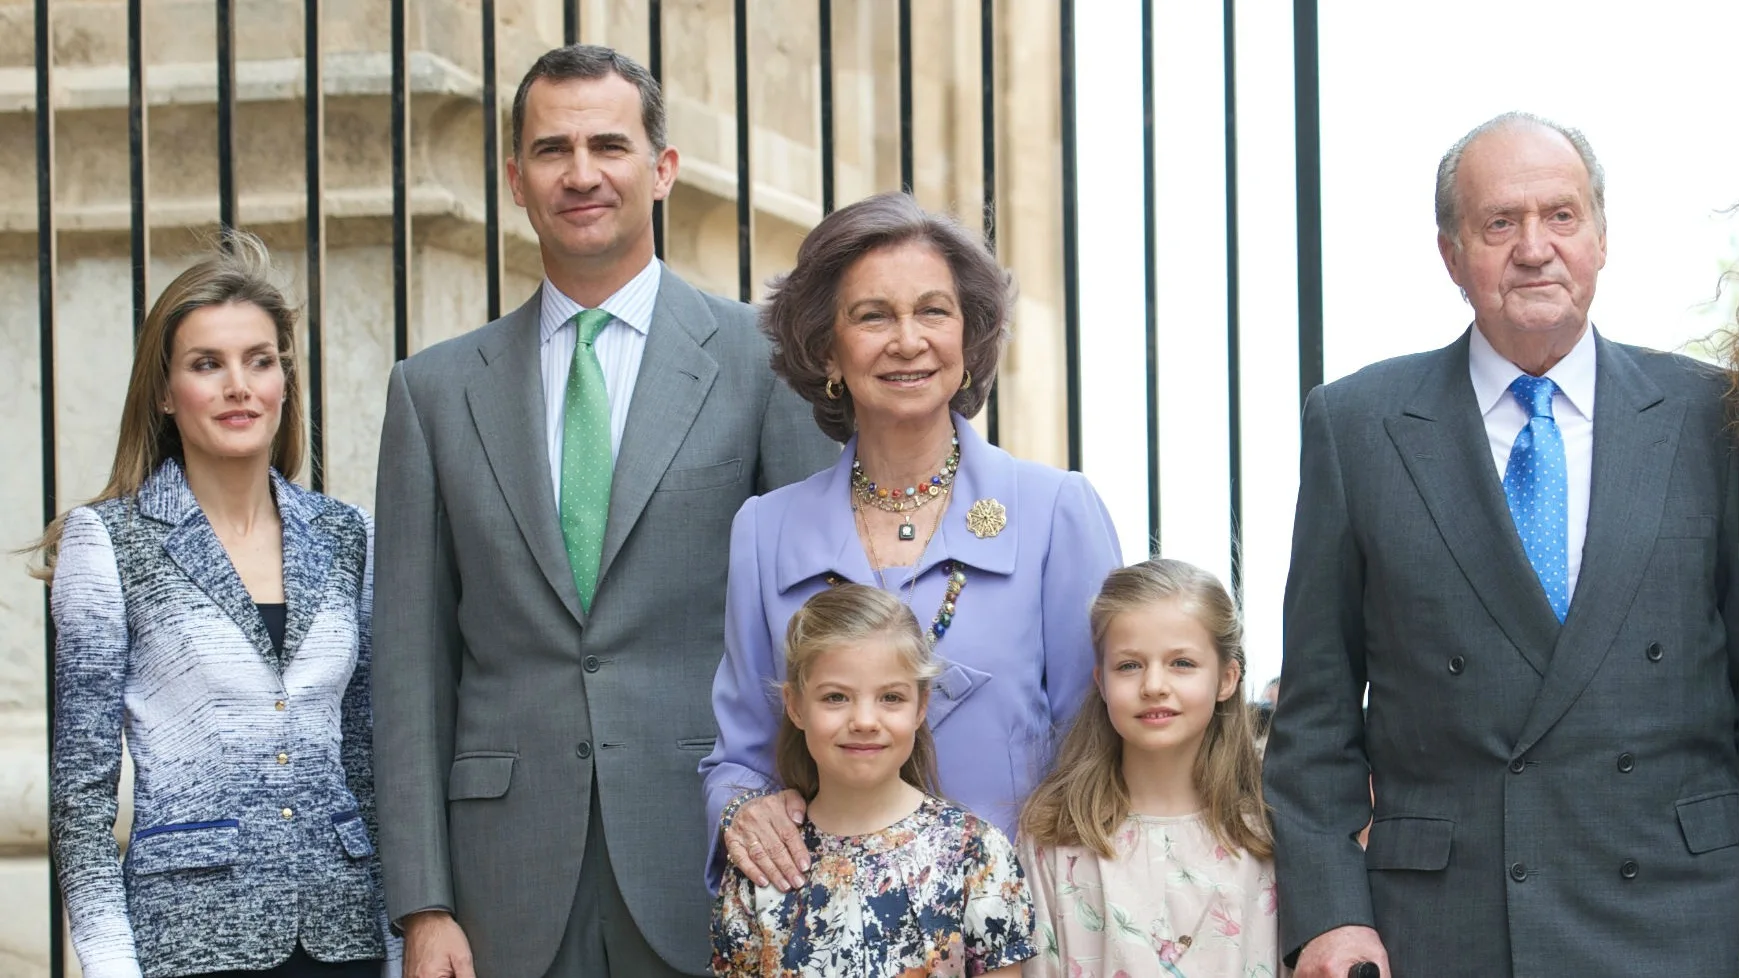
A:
x: 1309, y: 250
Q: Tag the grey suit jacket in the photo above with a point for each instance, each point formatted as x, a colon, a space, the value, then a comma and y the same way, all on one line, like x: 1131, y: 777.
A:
x: 496, y: 697
x: 1550, y: 799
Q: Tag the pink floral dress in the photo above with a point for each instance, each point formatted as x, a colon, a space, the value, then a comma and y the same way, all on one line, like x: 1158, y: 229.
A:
x: 1175, y: 903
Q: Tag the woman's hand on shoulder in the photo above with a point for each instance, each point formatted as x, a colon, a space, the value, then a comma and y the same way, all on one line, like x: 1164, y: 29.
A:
x: 762, y: 840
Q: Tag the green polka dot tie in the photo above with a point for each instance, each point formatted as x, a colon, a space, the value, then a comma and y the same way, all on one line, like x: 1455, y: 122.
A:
x: 586, y: 457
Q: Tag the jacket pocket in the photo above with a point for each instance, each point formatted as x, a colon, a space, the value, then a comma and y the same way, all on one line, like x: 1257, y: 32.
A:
x: 187, y: 845
x: 700, y: 745
x: 701, y: 476
x: 1687, y: 527
x: 951, y: 689
x: 479, y: 776
x: 1410, y: 842
x: 353, y: 835
x: 1709, y: 821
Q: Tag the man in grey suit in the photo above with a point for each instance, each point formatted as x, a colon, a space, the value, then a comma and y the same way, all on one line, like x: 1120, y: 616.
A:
x: 556, y: 493
x: 1522, y: 548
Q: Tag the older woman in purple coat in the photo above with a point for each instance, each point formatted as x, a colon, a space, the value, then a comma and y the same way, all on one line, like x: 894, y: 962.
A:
x: 892, y: 325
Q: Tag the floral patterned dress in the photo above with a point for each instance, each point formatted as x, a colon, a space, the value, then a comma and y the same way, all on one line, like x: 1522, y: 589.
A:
x: 937, y: 893
x: 1175, y: 903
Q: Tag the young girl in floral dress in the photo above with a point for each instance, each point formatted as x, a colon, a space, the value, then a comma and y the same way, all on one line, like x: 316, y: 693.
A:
x: 902, y: 884
x: 1146, y: 846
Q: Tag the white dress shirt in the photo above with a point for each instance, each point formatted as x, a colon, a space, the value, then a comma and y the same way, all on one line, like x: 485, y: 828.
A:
x: 1572, y: 407
x: 619, y: 346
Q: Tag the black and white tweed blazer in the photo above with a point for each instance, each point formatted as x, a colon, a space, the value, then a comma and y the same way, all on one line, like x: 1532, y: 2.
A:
x: 253, y: 813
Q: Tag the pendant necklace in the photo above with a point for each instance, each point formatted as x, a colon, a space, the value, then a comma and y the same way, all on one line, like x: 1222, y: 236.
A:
x: 907, y: 500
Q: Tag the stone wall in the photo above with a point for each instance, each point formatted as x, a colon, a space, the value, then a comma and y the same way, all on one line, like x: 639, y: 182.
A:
x: 93, y: 327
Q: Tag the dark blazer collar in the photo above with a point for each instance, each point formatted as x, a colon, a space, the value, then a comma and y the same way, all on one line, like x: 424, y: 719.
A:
x: 818, y: 535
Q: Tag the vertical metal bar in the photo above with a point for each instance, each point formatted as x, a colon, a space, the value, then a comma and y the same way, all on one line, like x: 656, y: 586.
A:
x: 1150, y: 242
x: 46, y: 267
x: 226, y: 189
x: 745, y: 206
x: 570, y: 21
x: 1308, y: 123
x: 314, y: 147
x: 1071, y: 235
x: 987, y: 131
x: 137, y: 163
x: 655, y: 64
x: 401, y: 205
x: 491, y: 171
x: 905, y: 39
x: 827, y: 146
x: 1234, y: 365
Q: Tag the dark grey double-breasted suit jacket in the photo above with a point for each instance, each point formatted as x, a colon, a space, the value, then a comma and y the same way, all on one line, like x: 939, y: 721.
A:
x: 1550, y: 799
x: 496, y: 697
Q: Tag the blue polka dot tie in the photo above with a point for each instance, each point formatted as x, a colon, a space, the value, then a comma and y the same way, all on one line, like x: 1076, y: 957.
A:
x: 1536, y: 484
x: 586, y: 457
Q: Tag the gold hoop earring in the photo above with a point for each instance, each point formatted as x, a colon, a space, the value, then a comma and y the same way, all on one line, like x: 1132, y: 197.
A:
x: 834, y: 389
x: 966, y: 384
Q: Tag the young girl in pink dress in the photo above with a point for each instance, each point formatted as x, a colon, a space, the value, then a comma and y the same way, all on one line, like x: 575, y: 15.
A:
x: 1146, y: 847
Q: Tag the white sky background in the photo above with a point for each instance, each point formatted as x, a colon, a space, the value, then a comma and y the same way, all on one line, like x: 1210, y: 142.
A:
x: 1653, y: 87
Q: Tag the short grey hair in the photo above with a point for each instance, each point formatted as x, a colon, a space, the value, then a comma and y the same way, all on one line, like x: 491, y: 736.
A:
x: 1449, y: 169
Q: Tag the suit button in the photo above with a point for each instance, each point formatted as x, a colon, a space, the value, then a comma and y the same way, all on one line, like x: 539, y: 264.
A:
x: 584, y: 750
x: 1518, y: 872
x: 1518, y: 765
x: 1628, y: 869
x: 1456, y: 665
x: 1626, y: 762
x: 287, y: 813
x: 591, y: 663
x: 278, y: 705
x: 283, y: 758
x: 1654, y: 652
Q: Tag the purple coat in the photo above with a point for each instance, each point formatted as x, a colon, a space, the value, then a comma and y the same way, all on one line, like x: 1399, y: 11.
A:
x: 1017, y: 659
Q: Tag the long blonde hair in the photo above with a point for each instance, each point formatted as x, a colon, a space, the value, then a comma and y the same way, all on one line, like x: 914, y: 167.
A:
x: 235, y: 271
x: 838, y: 616
x: 1084, y: 799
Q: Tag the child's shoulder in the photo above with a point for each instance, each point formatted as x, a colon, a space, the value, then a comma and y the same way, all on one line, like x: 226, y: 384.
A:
x: 962, y: 828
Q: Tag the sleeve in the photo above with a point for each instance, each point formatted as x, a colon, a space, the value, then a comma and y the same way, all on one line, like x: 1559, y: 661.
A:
x: 792, y: 447
x: 743, y: 702
x: 415, y: 646
x: 998, y: 922
x: 356, y: 716
x: 1083, y: 550
x: 1316, y: 773
x: 736, y: 937
x: 1047, y: 959
x: 90, y: 669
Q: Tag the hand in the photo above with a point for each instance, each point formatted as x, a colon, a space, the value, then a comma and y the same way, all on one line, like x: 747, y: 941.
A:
x: 763, y: 840
x: 1332, y: 953
x: 435, y: 947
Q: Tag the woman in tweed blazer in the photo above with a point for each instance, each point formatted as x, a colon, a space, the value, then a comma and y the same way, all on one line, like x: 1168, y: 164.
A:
x: 218, y: 614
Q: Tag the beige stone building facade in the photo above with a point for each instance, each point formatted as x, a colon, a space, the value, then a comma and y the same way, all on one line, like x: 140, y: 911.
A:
x: 94, y: 315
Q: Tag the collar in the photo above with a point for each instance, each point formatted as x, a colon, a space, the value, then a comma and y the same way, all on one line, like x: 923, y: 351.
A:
x: 1492, y: 374
x: 632, y: 304
x: 165, y: 497
x: 818, y: 534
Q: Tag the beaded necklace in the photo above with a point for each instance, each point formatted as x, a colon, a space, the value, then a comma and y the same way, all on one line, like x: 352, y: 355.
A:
x: 904, y: 501
x: 954, y: 569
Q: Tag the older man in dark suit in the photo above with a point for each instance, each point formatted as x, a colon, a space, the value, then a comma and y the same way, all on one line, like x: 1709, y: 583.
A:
x: 556, y: 495
x: 1521, y: 548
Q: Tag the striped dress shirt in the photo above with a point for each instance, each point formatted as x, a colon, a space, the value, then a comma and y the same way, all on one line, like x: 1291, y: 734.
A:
x: 619, y: 346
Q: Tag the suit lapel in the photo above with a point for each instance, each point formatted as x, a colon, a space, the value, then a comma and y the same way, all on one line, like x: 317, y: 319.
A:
x: 1442, y: 441
x: 308, y: 554
x: 507, y: 405
x: 675, y: 375
x: 1636, y: 432
x: 194, y: 547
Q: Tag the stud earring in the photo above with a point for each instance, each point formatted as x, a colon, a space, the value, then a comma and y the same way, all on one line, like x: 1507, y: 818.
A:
x: 834, y: 389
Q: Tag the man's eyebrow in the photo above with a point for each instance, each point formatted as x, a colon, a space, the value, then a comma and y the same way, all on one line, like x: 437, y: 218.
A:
x: 598, y: 138
x: 556, y: 141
